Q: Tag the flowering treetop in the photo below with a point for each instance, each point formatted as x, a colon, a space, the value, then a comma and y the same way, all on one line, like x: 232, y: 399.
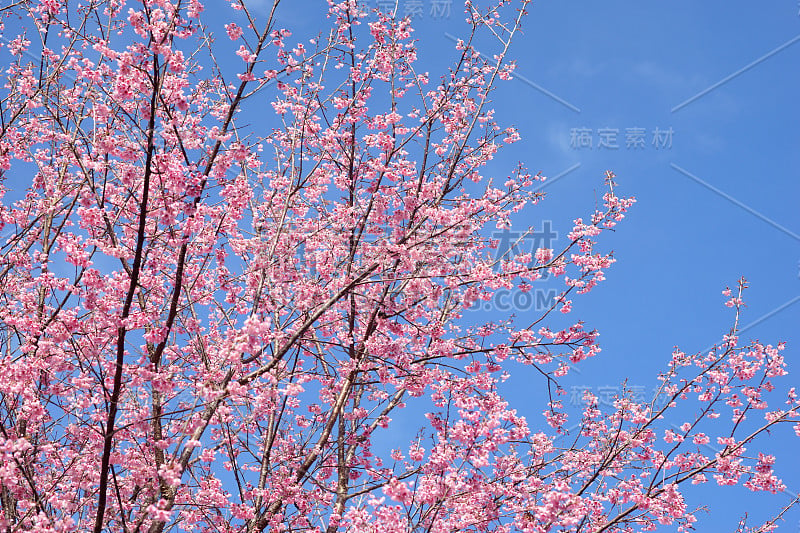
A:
x: 205, y: 325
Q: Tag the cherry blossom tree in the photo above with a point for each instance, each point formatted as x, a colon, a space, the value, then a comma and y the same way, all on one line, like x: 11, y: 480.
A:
x: 213, y: 308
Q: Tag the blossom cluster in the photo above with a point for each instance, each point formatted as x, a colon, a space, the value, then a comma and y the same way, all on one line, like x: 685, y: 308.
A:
x: 212, y: 324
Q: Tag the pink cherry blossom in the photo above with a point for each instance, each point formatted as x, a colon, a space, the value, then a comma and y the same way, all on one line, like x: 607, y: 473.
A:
x: 217, y: 312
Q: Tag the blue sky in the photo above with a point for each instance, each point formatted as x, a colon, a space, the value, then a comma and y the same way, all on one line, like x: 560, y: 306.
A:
x: 640, y: 66
x: 700, y: 100
x: 717, y: 193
